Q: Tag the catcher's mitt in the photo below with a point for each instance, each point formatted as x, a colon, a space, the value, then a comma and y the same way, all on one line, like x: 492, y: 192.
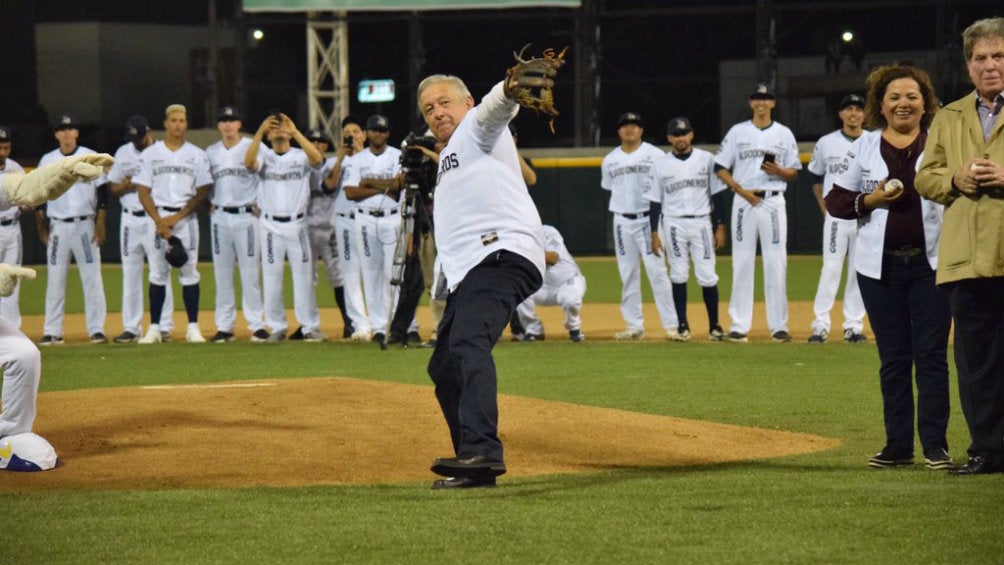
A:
x: 529, y: 81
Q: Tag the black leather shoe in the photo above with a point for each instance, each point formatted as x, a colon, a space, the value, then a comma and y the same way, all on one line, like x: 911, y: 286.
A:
x: 470, y: 466
x: 464, y: 482
x: 977, y: 465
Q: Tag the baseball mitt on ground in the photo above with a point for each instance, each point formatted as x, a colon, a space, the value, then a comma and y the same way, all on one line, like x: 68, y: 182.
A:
x: 529, y: 81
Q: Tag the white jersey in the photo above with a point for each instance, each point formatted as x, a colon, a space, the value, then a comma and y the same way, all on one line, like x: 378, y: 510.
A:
x: 683, y: 185
x: 126, y: 165
x: 233, y: 183
x: 743, y: 149
x: 482, y: 203
x: 827, y: 156
x: 12, y: 167
x: 284, y: 186
x: 81, y: 199
x: 625, y: 176
x: 343, y: 205
x: 566, y: 267
x: 320, y: 206
x: 368, y: 165
x: 173, y: 176
x: 861, y: 171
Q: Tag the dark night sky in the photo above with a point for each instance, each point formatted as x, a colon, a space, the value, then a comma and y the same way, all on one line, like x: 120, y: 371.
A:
x: 660, y: 65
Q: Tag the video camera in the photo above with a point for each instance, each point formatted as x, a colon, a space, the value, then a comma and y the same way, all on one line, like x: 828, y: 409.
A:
x: 419, y: 169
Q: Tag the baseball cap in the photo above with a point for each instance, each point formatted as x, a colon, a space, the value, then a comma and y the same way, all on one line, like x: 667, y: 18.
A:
x: 65, y: 121
x: 629, y: 118
x: 317, y: 134
x: 679, y: 126
x: 762, y: 91
x: 176, y: 255
x: 228, y: 114
x: 4, y: 134
x: 852, y: 100
x: 378, y: 122
x: 136, y: 128
x: 175, y: 108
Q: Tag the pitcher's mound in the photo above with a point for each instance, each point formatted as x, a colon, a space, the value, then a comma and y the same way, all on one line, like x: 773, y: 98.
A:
x: 348, y: 431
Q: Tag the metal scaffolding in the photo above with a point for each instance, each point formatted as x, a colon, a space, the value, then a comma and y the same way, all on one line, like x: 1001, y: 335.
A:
x: 327, y: 71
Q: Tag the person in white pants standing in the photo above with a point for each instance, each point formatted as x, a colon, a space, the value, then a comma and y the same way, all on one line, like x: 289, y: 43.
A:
x: 284, y: 189
x: 839, y: 235
x: 136, y: 233
x: 756, y: 160
x: 625, y: 173
x: 11, y: 245
x: 77, y: 228
x: 234, y: 230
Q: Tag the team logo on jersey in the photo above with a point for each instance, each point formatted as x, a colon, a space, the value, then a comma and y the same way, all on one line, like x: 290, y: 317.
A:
x: 489, y: 238
x: 447, y: 164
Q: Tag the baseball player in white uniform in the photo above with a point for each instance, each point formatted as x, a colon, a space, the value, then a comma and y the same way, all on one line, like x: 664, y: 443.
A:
x: 283, y: 192
x: 234, y: 230
x: 625, y: 172
x: 77, y: 228
x: 563, y: 286
x: 839, y: 235
x: 20, y: 359
x: 174, y: 180
x: 373, y: 182
x: 353, y: 140
x: 11, y: 247
x: 682, y: 184
x: 756, y: 160
x: 491, y: 258
x: 137, y: 233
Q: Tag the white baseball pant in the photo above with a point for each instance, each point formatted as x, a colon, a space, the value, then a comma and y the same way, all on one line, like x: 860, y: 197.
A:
x: 351, y: 272
x: 22, y: 367
x: 74, y: 237
x: 633, y: 245
x: 11, y: 252
x: 377, y: 239
x: 282, y: 240
x: 235, y: 240
x: 136, y: 242
x: 568, y: 295
x: 839, y: 237
x: 686, y: 239
x: 187, y: 230
x: 767, y: 221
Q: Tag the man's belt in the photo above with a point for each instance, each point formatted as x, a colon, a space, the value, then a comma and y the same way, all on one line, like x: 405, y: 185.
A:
x: 138, y: 213
x: 73, y: 219
x: 378, y: 212
x: 9, y: 222
x: 635, y: 216
x: 905, y: 251
x: 283, y: 219
x: 170, y: 208
x: 766, y: 193
x: 237, y: 209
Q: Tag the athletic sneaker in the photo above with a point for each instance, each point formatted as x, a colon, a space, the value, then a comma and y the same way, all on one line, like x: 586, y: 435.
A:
x: 314, y: 336
x: 153, y: 335
x: 819, y: 337
x: 125, y: 337
x: 781, y: 336
x: 259, y: 335
x: 361, y: 335
x: 938, y: 459
x: 576, y: 336
x: 51, y: 340
x: 625, y: 335
x: 98, y: 337
x: 850, y: 336
x: 165, y: 336
x: 716, y: 334
x: 276, y: 336
x: 222, y: 337
x: 193, y: 335
x: 737, y: 337
x: 533, y: 337
x: 885, y: 460
x: 682, y: 333
x: 378, y: 337
x: 297, y: 335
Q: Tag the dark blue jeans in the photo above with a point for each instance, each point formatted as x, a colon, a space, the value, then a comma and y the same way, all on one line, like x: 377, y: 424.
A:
x: 462, y: 366
x: 911, y: 320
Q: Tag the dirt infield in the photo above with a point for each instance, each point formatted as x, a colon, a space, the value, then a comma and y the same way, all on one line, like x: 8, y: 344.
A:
x: 348, y: 431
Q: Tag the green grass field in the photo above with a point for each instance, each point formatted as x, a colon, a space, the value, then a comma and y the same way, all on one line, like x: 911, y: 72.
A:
x: 826, y: 507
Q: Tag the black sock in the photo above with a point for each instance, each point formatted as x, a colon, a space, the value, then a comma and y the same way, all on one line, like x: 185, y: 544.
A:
x: 711, y: 303
x: 340, y: 301
x: 680, y: 301
x: 190, y: 294
x: 158, y: 293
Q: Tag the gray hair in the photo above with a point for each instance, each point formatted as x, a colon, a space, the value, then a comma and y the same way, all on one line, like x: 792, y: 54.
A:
x: 428, y: 81
x: 988, y: 28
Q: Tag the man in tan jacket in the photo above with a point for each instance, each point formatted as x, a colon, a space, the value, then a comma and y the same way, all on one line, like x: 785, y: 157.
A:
x: 963, y: 169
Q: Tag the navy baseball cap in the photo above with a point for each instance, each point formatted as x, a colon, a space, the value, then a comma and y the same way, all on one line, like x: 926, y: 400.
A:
x: 4, y: 134
x: 228, y: 114
x: 65, y: 121
x: 377, y: 122
x: 762, y: 91
x: 630, y: 118
x: 852, y: 100
x: 317, y: 134
x: 679, y: 126
x: 136, y: 128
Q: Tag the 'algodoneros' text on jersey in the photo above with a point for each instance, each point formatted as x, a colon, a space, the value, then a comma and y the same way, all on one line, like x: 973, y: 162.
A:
x: 81, y: 199
x: 233, y: 183
x: 368, y: 165
x: 173, y: 176
x: 284, y: 187
x: 683, y: 185
x: 827, y: 156
x: 625, y: 175
x: 743, y: 149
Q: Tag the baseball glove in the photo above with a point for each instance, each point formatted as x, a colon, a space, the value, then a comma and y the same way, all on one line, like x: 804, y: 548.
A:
x: 529, y: 81
x: 10, y: 275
